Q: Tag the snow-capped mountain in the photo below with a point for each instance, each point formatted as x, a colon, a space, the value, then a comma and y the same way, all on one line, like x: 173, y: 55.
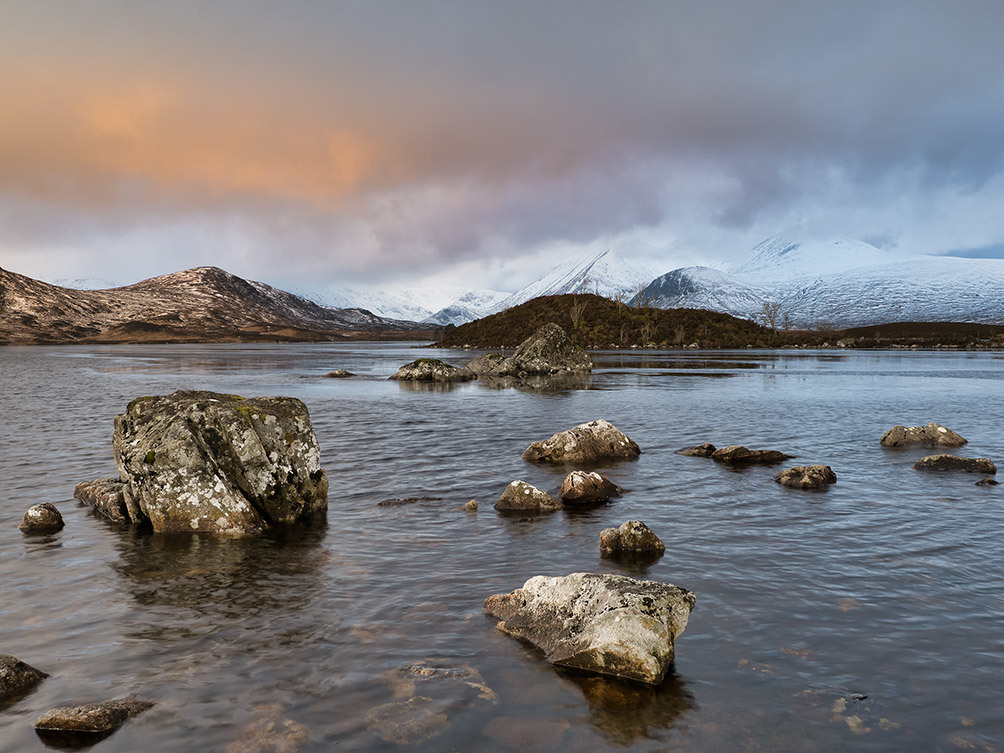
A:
x: 468, y: 307
x: 605, y: 274
x: 82, y: 283
x: 842, y: 283
x: 411, y: 305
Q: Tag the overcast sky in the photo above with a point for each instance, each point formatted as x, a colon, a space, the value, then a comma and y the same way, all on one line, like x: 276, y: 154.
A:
x: 319, y: 144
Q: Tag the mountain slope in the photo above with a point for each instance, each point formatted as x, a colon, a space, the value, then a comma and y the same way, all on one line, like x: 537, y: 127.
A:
x: 468, y: 307
x: 197, y: 305
x: 703, y: 288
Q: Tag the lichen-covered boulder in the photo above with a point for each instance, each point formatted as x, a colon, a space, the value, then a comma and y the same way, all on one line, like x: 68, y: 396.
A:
x: 705, y: 450
x: 738, y: 454
x: 487, y: 364
x: 584, y: 488
x: 17, y: 677
x: 431, y: 370
x: 594, y: 442
x: 607, y: 624
x: 955, y: 463
x: 932, y: 434
x: 548, y: 351
x: 208, y: 462
x: 807, y: 477
x: 42, y: 518
x: 632, y: 537
x: 76, y: 726
x: 520, y: 496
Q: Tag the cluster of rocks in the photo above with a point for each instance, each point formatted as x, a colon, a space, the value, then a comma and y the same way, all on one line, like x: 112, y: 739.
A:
x: 548, y: 352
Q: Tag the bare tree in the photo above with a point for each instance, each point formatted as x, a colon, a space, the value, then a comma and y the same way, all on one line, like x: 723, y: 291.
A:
x: 679, y: 335
x: 576, y: 310
x: 786, y: 320
x: 646, y: 332
x: 769, y: 313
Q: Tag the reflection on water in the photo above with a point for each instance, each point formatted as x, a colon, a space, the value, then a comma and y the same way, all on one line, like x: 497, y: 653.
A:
x: 889, y: 585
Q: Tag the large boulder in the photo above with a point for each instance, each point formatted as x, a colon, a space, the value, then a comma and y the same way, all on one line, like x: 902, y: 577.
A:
x: 737, y: 454
x: 955, y: 463
x: 42, y: 518
x: 77, y: 726
x: 548, y: 351
x: 520, y: 496
x: 586, y: 443
x: 583, y: 488
x: 17, y: 678
x: 932, y: 434
x: 632, y: 537
x: 487, y: 364
x: 208, y: 462
x: 431, y: 370
x: 807, y: 477
x: 606, y: 624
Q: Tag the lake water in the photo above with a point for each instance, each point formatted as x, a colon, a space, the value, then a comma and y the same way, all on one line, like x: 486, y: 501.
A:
x: 889, y: 584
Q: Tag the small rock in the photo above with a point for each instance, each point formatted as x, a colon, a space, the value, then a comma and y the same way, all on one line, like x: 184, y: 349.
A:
x: 470, y: 506
x: 988, y: 482
x: 606, y: 624
x: 806, y: 477
x: 43, y: 518
x: 403, y: 501
x: 736, y: 453
x: 407, y: 722
x: 17, y: 678
x: 580, y: 486
x: 586, y: 443
x: 431, y: 370
x: 632, y: 536
x: 339, y: 374
x: 859, y: 696
x: 932, y: 434
x: 272, y: 732
x: 955, y: 463
x: 521, y: 496
x: 107, y: 497
x: 81, y: 725
x: 705, y: 450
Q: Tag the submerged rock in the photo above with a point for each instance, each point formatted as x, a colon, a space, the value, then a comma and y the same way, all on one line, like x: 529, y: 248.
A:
x: 82, y: 725
x: 208, y: 462
x: 583, y: 487
x: 106, y: 496
x: 403, y: 501
x: 407, y: 722
x: 705, y: 450
x: 17, y: 677
x: 339, y: 374
x: 631, y: 537
x: 470, y: 506
x: 988, y: 482
x: 270, y: 732
x: 520, y: 496
x: 607, y: 624
x: 431, y: 370
x: 933, y: 434
x: 806, y: 477
x: 955, y: 463
x: 586, y: 443
x: 737, y: 454
x: 43, y: 518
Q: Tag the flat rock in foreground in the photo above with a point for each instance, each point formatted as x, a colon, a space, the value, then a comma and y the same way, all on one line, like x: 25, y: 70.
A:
x: 607, y: 624
x: 431, y: 370
x: 214, y: 463
x: 593, y: 442
x: 932, y: 434
x: 17, y: 677
x: 739, y: 455
x: 807, y: 477
x: 77, y: 726
x: 955, y: 463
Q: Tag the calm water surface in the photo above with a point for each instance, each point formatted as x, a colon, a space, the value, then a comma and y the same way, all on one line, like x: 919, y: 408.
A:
x: 889, y: 584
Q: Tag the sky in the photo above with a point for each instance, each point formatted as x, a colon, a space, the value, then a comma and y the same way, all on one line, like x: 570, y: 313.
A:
x: 316, y: 145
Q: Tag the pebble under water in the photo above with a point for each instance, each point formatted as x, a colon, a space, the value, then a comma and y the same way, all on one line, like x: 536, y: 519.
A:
x: 865, y: 616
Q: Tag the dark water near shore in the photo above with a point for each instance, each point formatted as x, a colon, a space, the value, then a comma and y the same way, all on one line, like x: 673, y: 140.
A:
x: 890, y: 583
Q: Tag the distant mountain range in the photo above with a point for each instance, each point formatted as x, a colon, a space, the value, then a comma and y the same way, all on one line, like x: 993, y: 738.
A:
x: 205, y: 304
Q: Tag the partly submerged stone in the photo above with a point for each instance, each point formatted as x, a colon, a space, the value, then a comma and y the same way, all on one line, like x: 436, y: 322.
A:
x: 593, y: 442
x: 932, y: 434
x: 955, y: 463
x: 807, y: 477
x: 487, y: 364
x: 339, y: 374
x: 405, y: 501
x: 17, y: 677
x: 582, y: 487
x: 632, y: 537
x: 209, y: 462
x: 41, y: 518
x: 548, y: 351
x: 470, y: 505
x: 431, y: 370
x: 607, y: 624
x: 738, y: 454
x: 705, y: 450
x: 988, y: 482
x: 107, y: 497
x: 75, y: 726
x: 520, y: 496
